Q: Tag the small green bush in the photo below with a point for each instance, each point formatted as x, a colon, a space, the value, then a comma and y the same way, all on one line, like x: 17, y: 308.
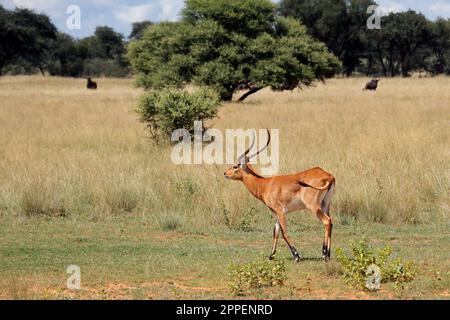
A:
x: 186, y: 186
x: 246, y: 222
x: 169, y: 109
x: 355, y: 266
x: 256, y: 274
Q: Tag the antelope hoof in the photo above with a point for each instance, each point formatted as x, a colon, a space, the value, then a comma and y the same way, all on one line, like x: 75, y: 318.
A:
x: 297, y: 259
x: 271, y: 257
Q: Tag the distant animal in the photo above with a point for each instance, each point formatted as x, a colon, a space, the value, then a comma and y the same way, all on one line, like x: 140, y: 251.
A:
x: 311, y: 189
x: 91, y: 84
x: 372, y: 85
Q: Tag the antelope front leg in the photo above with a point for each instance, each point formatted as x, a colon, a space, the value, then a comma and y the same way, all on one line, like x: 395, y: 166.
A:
x: 282, y: 221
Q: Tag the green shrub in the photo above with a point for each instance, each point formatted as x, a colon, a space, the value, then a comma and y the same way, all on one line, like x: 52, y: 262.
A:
x: 246, y: 222
x: 170, y: 109
x: 355, y: 266
x: 186, y: 186
x: 256, y: 274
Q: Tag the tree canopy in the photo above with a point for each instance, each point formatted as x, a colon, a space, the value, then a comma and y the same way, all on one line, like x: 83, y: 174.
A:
x: 30, y: 42
x: 234, y: 44
x: 26, y: 36
x: 230, y: 44
x: 138, y: 28
x: 407, y: 41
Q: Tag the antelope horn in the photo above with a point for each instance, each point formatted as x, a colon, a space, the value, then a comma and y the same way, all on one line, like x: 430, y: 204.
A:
x: 243, y: 157
x: 261, y: 150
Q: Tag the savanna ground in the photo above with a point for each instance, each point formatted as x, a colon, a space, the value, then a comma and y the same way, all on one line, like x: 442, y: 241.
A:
x: 81, y: 183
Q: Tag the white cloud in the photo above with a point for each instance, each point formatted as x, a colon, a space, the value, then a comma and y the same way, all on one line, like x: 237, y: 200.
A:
x: 392, y: 7
x: 130, y: 14
x: 34, y: 4
x: 169, y: 9
x: 440, y: 8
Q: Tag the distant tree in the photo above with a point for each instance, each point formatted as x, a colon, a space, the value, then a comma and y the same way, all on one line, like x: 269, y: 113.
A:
x: 341, y: 24
x: 111, y: 42
x: 104, y: 43
x: 400, y: 39
x: 66, y: 57
x: 104, y: 53
x: 138, y: 29
x: 438, y: 46
x: 230, y: 44
x: 26, y: 37
x: 7, y: 37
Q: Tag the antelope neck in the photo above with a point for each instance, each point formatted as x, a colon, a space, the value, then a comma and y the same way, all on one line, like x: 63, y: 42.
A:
x: 254, y: 184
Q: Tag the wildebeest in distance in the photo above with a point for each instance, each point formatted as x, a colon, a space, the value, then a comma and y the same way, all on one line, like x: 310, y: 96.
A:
x: 91, y: 84
x: 372, y: 85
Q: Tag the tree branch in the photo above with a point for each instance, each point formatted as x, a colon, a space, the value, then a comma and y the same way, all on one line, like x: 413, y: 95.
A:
x: 251, y: 91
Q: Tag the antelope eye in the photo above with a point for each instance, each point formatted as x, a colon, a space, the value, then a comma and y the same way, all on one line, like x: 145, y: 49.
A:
x: 235, y: 167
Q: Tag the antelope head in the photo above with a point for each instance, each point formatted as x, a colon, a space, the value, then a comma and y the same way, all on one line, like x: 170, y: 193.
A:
x: 243, y: 165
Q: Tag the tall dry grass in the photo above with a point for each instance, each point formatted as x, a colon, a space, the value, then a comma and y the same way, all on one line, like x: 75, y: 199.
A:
x: 69, y: 152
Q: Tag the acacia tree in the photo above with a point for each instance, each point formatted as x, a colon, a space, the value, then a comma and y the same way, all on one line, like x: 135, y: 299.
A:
x: 228, y: 45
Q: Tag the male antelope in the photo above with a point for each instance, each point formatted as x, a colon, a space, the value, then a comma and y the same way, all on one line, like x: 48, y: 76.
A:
x: 311, y: 189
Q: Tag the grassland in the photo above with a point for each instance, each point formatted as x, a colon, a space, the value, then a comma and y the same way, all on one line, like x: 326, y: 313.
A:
x: 81, y: 183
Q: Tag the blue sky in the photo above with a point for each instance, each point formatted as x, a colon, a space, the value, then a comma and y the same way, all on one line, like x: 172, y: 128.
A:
x: 120, y: 14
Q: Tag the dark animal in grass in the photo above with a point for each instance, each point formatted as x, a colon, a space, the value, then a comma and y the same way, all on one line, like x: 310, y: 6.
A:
x: 372, y: 85
x: 91, y: 84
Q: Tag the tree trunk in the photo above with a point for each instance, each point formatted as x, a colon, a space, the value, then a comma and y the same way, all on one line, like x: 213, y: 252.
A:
x: 380, y: 58
x: 42, y: 71
x: 251, y: 91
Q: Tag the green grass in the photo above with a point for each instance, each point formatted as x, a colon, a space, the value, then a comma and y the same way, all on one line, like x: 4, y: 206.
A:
x: 125, y: 257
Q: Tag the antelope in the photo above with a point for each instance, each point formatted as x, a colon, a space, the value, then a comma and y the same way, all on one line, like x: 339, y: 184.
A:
x: 91, y: 84
x: 311, y: 189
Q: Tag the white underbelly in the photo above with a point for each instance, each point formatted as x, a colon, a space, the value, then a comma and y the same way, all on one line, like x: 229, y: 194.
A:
x: 295, y: 205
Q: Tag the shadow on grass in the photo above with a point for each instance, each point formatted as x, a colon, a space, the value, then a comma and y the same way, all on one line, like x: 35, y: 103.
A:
x: 311, y: 259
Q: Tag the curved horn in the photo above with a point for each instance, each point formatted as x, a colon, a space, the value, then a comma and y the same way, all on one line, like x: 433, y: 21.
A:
x: 244, y: 155
x: 261, y: 150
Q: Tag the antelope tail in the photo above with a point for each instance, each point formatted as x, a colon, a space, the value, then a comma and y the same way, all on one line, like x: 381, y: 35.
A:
x: 329, y: 183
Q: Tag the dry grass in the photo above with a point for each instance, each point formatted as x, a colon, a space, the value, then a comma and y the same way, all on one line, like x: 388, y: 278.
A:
x: 81, y: 183
x: 68, y: 151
